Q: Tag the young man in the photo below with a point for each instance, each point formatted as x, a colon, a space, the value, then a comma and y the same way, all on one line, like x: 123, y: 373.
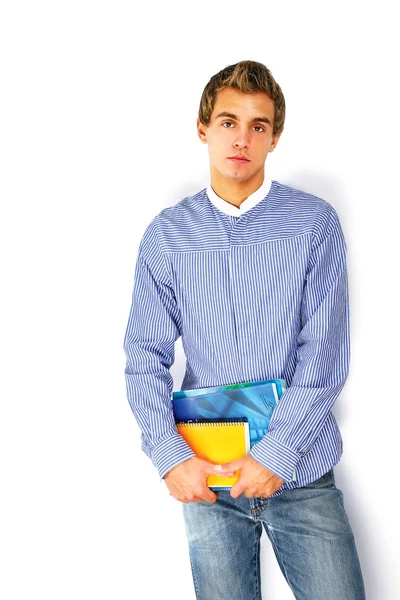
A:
x: 252, y: 274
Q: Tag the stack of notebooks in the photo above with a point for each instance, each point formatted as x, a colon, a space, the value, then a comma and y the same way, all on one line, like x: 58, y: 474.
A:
x: 222, y: 424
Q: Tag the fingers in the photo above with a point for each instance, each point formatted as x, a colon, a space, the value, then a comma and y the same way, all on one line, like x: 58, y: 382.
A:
x: 237, y: 489
x: 201, y: 494
x: 206, y: 496
x: 228, y: 468
x: 210, y: 496
x: 212, y: 469
x: 191, y: 486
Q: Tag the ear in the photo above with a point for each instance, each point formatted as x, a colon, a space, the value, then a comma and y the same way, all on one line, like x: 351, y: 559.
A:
x: 274, y: 142
x: 201, y: 131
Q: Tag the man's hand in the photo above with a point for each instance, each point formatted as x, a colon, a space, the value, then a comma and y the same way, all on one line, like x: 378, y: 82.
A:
x: 254, y: 480
x: 187, y: 482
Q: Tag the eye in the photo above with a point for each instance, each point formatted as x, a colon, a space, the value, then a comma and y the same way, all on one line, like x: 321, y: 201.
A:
x: 230, y: 123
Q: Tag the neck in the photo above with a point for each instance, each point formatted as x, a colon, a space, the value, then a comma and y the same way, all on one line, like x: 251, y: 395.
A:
x: 235, y: 192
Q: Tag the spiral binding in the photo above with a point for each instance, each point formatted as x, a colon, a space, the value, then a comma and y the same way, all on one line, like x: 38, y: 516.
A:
x: 227, y: 421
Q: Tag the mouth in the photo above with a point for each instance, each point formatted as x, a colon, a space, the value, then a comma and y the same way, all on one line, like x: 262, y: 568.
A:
x: 239, y: 159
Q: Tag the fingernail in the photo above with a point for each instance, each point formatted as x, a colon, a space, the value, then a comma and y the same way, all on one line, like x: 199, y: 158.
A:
x: 218, y: 468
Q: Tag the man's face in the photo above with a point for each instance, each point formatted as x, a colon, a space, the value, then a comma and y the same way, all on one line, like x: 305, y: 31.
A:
x: 240, y: 124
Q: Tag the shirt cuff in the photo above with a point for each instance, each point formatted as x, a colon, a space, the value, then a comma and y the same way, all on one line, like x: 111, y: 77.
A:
x: 170, y: 453
x: 275, y: 457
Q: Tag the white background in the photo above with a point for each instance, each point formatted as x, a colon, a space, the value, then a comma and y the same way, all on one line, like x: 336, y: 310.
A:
x: 98, y: 108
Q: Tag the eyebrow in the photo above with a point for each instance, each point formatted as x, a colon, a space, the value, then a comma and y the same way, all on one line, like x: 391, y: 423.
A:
x: 232, y: 116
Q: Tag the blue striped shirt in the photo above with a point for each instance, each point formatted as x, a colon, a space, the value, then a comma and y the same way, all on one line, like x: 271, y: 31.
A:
x: 257, y: 294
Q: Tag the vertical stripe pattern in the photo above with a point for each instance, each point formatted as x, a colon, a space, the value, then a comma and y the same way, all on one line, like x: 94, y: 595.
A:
x: 259, y: 296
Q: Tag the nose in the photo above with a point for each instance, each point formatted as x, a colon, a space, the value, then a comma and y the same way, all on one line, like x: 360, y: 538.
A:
x: 242, y: 139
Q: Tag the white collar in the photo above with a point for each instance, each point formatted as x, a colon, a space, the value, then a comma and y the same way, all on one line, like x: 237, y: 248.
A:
x: 246, y: 205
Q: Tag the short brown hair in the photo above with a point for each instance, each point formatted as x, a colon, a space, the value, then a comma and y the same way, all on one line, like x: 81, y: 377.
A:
x: 247, y: 76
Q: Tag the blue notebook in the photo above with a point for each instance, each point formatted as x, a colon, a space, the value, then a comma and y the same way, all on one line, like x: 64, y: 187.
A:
x: 253, y: 400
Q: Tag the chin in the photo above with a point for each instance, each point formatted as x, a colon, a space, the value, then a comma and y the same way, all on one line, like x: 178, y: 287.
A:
x: 235, y: 174
x: 239, y: 176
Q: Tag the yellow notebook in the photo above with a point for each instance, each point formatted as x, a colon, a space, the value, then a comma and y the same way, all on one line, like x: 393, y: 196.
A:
x: 218, y: 442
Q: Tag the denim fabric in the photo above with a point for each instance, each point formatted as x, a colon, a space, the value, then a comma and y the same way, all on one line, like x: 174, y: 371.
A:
x: 309, y: 531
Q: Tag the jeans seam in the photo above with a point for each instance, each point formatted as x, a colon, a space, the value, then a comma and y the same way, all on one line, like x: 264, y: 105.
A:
x: 196, y: 588
x: 280, y: 561
x: 256, y: 555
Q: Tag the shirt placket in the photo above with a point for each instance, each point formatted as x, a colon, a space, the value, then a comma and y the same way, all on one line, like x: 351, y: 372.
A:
x: 237, y: 237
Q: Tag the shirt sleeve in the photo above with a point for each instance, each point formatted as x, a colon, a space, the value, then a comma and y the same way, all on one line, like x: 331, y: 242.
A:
x: 322, y: 357
x: 154, y: 325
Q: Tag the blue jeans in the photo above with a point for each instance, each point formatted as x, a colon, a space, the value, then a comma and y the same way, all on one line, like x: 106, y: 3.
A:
x: 309, y: 531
